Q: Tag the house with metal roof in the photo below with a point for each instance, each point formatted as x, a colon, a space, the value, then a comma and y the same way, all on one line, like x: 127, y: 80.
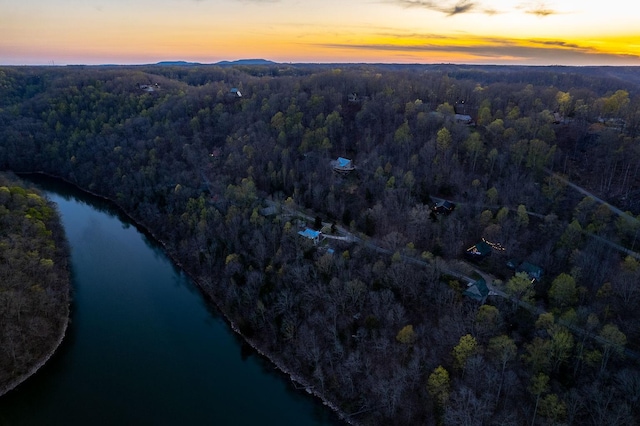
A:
x: 311, y: 234
x: 463, y: 118
x: 478, y: 251
x: 534, y: 272
x: 477, y: 290
x: 343, y: 165
x: 444, y: 207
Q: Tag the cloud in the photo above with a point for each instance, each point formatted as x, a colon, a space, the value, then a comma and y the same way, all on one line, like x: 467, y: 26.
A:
x: 497, y: 50
x: 462, y: 7
x: 490, y: 11
x: 539, y: 9
x: 542, y: 12
x: 417, y: 3
x: 559, y: 43
x: 447, y: 7
x: 457, y: 7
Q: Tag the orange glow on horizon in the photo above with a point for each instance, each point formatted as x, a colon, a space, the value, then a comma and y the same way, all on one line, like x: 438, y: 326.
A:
x: 574, y: 32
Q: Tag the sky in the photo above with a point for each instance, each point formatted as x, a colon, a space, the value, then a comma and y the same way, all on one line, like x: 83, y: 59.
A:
x: 91, y: 32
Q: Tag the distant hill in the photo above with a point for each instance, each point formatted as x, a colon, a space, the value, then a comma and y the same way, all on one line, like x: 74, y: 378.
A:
x: 247, y: 62
x: 177, y: 63
x: 223, y: 63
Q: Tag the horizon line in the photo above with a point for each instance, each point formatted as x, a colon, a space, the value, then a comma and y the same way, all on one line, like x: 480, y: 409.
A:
x: 258, y: 61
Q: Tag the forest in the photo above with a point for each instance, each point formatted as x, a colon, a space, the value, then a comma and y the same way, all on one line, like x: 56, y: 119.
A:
x: 228, y: 165
x: 34, y: 282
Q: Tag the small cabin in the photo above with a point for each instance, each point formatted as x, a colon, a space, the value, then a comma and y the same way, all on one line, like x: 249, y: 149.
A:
x: 311, y: 234
x: 343, y: 165
x: 268, y: 211
x: 464, y: 119
x: 477, y: 290
x: 478, y: 251
x: 148, y: 87
x: 464, y: 113
x: 443, y: 207
x: 233, y: 95
x: 557, y: 118
x: 534, y: 272
x: 354, y: 98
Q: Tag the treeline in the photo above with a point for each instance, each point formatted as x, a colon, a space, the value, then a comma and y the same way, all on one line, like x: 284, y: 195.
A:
x: 34, y: 281
x: 379, y: 328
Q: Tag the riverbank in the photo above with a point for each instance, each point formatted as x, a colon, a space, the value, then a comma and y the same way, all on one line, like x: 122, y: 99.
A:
x: 296, y: 379
x: 299, y: 382
x: 41, y: 363
x: 36, y: 291
x: 293, y: 377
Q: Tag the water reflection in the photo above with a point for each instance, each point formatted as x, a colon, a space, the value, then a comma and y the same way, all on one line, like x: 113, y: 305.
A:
x: 143, y: 347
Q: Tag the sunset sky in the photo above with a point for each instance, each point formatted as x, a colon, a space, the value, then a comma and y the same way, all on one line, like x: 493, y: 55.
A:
x: 564, y: 32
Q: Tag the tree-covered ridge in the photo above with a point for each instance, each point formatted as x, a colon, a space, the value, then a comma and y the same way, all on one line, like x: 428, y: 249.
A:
x: 34, y: 282
x: 379, y: 326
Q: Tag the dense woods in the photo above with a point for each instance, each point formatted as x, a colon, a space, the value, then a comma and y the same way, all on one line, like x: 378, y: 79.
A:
x: 34, y: 282
x: 375, y: 320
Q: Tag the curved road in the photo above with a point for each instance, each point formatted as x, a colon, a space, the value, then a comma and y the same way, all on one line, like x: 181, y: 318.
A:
x: 590, y: 194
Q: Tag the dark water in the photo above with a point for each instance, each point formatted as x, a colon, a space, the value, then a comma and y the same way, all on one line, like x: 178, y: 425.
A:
x: 143, y: 346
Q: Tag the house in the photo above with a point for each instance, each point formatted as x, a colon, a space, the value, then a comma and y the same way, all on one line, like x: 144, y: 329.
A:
x: 534, y: 272
x: 443, y: 207
x: 343, y: 165
x: 464, y: 119
x: 233, y: 95
x: 311, y: 234
x: 148, y: 87
x: 271, y: 210
x: 477, y: 290
x: 354, y: 98
x: 478, y: 251
x: 557, y: 118
x: 464, y: 113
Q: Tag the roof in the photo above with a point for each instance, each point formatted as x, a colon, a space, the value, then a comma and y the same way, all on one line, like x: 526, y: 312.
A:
x: 342, y: 165
x: 477, y: 290
x: 479, y: 249
x: 344, y: 162
x: 309, y: 233
x: 443, y: 207
x: 445, y: 203
x: 534, y: 271
x: 269, y: 210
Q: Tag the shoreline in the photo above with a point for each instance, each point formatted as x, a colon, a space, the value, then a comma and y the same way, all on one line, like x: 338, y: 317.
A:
x: 293, y: 377
x: 41, y: 363
x: 17, y: 381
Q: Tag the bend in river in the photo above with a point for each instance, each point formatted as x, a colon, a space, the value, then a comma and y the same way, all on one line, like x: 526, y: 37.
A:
x: 143, y: 346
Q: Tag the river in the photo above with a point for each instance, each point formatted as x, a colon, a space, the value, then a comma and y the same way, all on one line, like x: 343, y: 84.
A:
x: 143, y: 346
